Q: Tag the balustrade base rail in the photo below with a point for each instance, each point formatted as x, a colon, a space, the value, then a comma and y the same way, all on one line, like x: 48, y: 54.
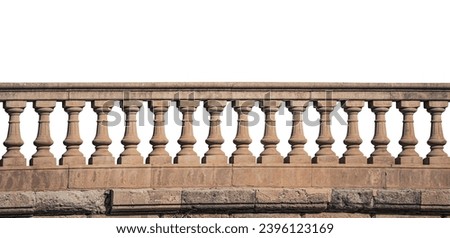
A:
x: 316, y: 176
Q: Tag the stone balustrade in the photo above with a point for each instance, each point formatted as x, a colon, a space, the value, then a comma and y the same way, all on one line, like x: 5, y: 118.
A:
x: 214, y: 169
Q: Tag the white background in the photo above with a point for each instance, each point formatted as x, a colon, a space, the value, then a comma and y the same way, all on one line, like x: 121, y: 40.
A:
x: 295, y: 41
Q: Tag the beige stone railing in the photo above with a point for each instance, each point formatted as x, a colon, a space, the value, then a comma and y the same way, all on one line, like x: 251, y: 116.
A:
x: 158, y: 170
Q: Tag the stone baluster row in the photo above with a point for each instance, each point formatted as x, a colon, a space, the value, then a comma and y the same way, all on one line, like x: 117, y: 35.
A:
x: 215, y: 156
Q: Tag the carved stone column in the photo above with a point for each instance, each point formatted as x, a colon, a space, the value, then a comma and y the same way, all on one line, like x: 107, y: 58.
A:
x: 270, y: 155
x: 353, y: 155
x: 43, y: 156
x: 215, y: 155
x: 159, y: 154
x: 437, y: 141
x: 102, y: 140
x: 130, y: 141
x: 242, y: 154
x: 380, y: 139
x: 13, y: 142
x: 73, y: 155
x: 297, y: 155
x: 408, y: 156
x: 187, y: 140
x: 325, y: 155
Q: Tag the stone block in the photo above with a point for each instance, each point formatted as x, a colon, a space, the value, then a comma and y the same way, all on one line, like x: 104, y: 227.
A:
x: 272, y: 176
x: 297, y: 103
x: 352, y: 103
x: 158, y: 103
x: 15, y: 104
x: 425, y: 177
x: 16, y: 179
x: 283, y: 200
x: 243, y: 160
x: 405, y: 104
x: 187, y: 160
x: 405, y: 216
x: 435, y: 200
x: 218, y: 199
x: 179, y: 176
x: 145, y: 201
x: 434, y: 104
x: 336, y: 215
x: 73, y: 103
x: 265, y: 215
x: 397, y: 200
x: 325, y: 103
x: 16, y: 203
x: 50, y: 179
x: 98, y: 177
x: 44, y: 104
x: 354, y: 200
x: 379, y: 103
x: 346, y: 177
x: 243, y: 103
x: 70, y: 202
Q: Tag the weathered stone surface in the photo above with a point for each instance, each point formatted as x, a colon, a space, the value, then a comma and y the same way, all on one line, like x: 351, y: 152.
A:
x: 351, y: 200
x: 177, y: 176
x: 265, y: 215
x: 393, y: 200
x: 15, y: 179
x: 70, y: 202
x: 419, y: 178
x: 435, y: 200
x: 292, y: 199
x: 336, y: 215
x: 100, y: 177
x: 145, y: 200
x: 16, y: 203
x: 405, y: 216
x: 274, y: 176
x: 218, y: 199
x: 189, y: 215
x: 346, y: 177
x: 50, y: 179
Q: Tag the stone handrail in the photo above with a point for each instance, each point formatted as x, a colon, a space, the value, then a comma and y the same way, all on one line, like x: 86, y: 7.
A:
x: 158, y: 170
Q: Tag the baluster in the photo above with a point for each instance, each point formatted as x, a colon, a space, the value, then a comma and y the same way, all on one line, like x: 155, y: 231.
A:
x: 215, y: 155
x: 130, y: 141
x: 353, y: 155
x: 102, y: 140
x: 13, y: 156
x: 159, y: 154
x: 297, y: 155
x: 270, y: 155
x: 43, y: 156
x: 408, y: 141
x: 437, y: 141
x: 187, y: 140
x: 242, y: 154
x: 325, y: 139
x: 73, y: 156
x: 380, y: 139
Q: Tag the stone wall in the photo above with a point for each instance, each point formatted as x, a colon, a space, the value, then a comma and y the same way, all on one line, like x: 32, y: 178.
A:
x: 188, y: 184
x: 228, y: 202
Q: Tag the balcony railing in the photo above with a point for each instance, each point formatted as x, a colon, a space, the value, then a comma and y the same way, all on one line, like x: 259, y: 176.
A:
x: 214, y: 168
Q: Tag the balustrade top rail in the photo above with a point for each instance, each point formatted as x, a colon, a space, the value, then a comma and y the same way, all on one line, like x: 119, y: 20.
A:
x: 225, y: 90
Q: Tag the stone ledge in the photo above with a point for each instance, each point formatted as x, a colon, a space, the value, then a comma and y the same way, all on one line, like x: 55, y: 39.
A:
x: 86, y: 177
x: 53, y: 203
x: 226, y: 201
